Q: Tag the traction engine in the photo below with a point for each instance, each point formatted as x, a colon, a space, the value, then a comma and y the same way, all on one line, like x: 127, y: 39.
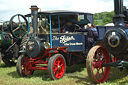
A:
x: 11, y: 36
x: 115, y: 43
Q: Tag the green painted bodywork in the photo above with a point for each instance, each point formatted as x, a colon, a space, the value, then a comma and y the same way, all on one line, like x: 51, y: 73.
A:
x: 4, y: 42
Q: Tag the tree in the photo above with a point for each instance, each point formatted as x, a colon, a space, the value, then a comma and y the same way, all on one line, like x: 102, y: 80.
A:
x: 103, y: 18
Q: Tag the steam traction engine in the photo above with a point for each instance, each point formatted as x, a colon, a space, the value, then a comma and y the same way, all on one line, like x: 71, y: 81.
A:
x: 11, y: 35
x: 50, y: 51
x: 115, y: 41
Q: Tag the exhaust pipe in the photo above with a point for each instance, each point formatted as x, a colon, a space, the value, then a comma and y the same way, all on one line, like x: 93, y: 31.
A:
x: 118, y: 18
x: 34, y: 16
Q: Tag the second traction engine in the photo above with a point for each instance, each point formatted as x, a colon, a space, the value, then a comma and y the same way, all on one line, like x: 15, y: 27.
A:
x: 116, y: 39
x: 113, y: 52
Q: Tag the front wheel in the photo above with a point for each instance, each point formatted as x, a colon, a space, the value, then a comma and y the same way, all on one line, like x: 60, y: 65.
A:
x: 96, y: 56
x: 23, y: 66
x: 56, y: 66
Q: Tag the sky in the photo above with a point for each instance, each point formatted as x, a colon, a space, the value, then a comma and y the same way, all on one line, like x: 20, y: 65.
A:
x: 8, y: 8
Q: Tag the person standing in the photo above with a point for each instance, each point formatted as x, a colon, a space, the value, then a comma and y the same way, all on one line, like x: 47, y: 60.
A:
x: 92, y: 36
x: 95, y: 33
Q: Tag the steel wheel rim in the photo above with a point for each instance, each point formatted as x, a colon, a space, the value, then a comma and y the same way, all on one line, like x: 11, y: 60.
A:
x: 102, y: 73
x: 21, y: 28
x: 25, y: 66
x: 59, y: 67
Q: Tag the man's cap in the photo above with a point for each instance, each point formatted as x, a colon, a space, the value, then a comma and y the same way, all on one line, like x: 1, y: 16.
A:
x: 89, y: 24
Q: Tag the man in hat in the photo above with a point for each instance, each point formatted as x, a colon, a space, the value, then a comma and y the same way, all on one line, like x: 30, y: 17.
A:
x: 69, y: 27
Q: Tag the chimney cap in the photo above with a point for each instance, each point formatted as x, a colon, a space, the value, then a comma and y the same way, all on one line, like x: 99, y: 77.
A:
x: 34, y: 7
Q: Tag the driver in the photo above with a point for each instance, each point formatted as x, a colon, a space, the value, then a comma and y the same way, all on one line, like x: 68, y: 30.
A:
x: 69, y: 27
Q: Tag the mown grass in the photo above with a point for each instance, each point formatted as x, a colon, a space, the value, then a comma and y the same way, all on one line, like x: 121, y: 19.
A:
x: 75, y: 75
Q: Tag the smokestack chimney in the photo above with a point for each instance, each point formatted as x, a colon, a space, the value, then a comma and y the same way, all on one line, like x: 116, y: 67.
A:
x: 118, y: 19
x: 34, y: 16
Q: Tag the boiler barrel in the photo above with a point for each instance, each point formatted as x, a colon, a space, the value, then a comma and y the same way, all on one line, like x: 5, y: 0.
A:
x: 5, y: 39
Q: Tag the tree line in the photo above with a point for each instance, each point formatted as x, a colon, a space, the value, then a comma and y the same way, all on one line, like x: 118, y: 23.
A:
x: 103, y: 18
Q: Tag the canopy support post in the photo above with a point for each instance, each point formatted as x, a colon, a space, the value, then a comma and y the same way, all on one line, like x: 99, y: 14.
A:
x: 50, y: 31
x: 28, y: 26
x: 59, y: 22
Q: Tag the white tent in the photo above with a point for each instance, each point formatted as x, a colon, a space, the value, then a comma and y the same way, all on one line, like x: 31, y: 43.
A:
x: 109, y: 24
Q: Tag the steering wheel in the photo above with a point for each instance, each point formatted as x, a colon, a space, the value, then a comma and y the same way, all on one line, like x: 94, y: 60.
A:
x: 77, y: 28
x: 18, y: 26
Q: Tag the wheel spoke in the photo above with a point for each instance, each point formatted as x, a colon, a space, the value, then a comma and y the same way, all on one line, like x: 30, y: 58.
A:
x: 98, y: 74
x: 55, y: 70
x: 55, y: 64
x: 62, y: 65
x: 99, y: 56
x: 61, y: 72
x: 24, y: 29
x: 15, y: 23
x: 20, y: 33
x: 16, y: 29
x: 57, y: 74
x: 19, y: 19
x: 102, y: 71
x: 58, y: 62
x: 103, y: 60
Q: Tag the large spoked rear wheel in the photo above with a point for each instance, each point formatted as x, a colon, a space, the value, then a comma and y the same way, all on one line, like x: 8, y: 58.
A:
x: 96, y: 56
x: 56, y: 66
x: 23, y: 66
x: 18, y: 26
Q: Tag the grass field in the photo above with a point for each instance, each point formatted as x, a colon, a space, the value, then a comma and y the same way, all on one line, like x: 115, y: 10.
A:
x: 75, y: 75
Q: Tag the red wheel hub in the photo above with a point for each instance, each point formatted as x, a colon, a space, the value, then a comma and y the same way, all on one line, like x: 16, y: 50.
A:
x: 97, y: 64
x: 59, y: 67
